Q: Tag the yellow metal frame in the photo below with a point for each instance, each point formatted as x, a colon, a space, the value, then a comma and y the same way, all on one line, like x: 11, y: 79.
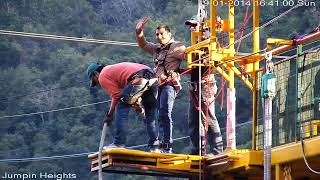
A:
x: 226, y: 55
x: 248, y: 163
x: 311, y: 128
x: 148, y: 160
x: 234, y: 161
x: 284, y: 158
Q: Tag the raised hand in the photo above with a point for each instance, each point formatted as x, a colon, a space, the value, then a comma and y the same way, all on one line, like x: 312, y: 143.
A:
x: 140, y: 24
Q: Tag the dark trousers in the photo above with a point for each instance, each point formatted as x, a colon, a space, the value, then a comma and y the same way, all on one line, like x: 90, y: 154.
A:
x: 213, y: 134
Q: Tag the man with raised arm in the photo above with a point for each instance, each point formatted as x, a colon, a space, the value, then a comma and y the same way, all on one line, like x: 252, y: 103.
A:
x: 167, y: 55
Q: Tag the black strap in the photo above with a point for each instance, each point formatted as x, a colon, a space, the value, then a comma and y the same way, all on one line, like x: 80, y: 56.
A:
x: 158, y: 50
x: 145, y: 73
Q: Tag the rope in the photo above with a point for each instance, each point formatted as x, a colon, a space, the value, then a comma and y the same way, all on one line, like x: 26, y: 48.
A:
x: 266, y: 24
x: 242, y: 57
x: 54, y: 110
x: 245, y: 22
x: 41, y: 91
x: 249, y: 34
x: 170, y: 79
x: 71, y: 155
x: 46, y: 158
x: 301, y: 130
x: 66, y: 38
x: 67, y: 108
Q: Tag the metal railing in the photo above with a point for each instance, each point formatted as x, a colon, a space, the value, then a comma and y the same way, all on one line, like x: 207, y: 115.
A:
x: 296, y: 102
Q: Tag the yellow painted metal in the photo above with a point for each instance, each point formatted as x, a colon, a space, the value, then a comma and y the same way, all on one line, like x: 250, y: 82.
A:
x: 287, y: 172
x: 221, y: 55
x: 247, y: 158
x: 254, y: 111
x: 194, y: 37
x: 311, y: 128
x: 281, y: 157
x: 213, y: 18
x: 256, y: 36
x: 245, y: 80
x: 236, y: 161
x: 315, y: 126
x: 223, y: 73
x: 198, y: 46
x: 231, y: 26
x: 189, y: 60
x: 225, y: 25
x: 279, y: 172
x: 278, y: 42
x: 256, y: 48
x: 291, y: 152
x: 181, y: 162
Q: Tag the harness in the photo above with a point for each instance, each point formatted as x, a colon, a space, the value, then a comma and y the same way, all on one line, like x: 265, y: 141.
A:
x: 138, y: 83
x: 162, y: 62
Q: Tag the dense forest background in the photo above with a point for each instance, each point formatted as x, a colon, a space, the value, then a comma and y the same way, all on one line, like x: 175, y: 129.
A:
x: 40, y: 74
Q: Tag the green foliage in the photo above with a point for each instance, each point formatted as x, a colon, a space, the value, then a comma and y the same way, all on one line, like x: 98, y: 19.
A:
x: 41, y: 74
x: 10, y: 56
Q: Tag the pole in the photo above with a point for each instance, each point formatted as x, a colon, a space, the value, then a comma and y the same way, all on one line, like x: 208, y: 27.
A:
x: 231, y: 94
x: 267, y: 137
x: 103, y: 135
x: 256, y: 48
x: 231, y: 119
x: 268, y: 91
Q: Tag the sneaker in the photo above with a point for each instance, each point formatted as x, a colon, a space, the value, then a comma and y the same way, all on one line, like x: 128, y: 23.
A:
x: 154, y: 149
x: 112, y: 145
x: 166, y: 150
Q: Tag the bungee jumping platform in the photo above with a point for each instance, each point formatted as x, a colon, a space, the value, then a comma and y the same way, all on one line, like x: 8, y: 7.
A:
x: 126, y: 161
x: 287, y: 163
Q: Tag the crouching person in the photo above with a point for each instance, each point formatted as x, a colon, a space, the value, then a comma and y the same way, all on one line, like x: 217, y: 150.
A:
x: 130, y: 85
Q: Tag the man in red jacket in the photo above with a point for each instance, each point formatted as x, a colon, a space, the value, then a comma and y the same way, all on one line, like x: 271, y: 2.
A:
x: 129, y: 85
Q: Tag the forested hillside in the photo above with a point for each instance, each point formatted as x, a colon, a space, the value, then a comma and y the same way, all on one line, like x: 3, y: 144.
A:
x: 39, y: 75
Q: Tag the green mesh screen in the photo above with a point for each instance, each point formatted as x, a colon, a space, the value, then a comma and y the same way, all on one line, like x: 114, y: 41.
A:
x: 297, y: 100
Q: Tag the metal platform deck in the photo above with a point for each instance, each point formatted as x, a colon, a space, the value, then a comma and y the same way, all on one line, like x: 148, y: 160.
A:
x: 287, y: 162
x: 119, y: 160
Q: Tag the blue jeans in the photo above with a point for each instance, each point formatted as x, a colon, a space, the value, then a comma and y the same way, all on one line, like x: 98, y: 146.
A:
x: 149, y: 101
x: 166, y: 98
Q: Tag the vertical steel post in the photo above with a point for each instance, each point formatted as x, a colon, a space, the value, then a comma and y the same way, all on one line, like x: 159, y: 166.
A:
x: 231, y: 94
x: 267, y: 137
x: 268, y: 91
x: 298, y: 125
x: 256, y: 48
